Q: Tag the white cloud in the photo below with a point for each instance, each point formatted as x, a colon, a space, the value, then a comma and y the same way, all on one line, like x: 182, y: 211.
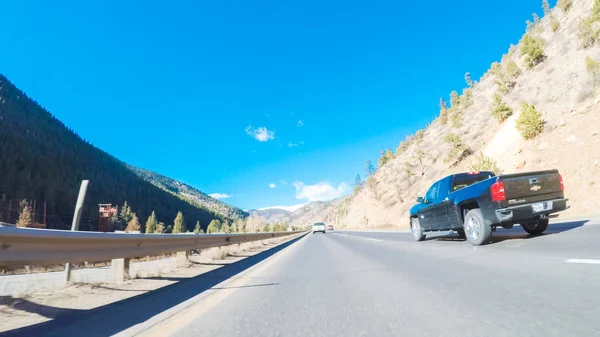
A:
x: 220, y: 195
x: 290, y: 144
x: 272, y: 185
x: 262, y: 134
x: 321, y: 191
x: 300, y: 123
x: 287, y: 208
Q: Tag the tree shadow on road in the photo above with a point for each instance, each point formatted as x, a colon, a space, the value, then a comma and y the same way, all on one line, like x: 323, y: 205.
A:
x: 32, y: 307
x: 517, y: 233
x: 113, y: 318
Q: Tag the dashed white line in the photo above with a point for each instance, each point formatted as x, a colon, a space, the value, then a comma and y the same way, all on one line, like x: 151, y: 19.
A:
x: 370, y: 239
x: 584, y: 261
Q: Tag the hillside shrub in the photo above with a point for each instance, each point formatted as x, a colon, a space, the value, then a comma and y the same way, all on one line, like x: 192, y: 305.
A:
x: 530, y: 122
x: 496, y: 69
x: 512, y: 70
x: 533, y: 50
x: 466, y: 100
x: 500, y: 111
x: 564, y: 5
x: 484, y: 163
x: 593, y: 67
x: 554, y: 24
x: 457, y: 149
x: 587, y: 34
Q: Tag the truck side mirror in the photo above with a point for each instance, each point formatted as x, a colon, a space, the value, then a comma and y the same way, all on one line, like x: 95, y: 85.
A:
x: 420, y: 200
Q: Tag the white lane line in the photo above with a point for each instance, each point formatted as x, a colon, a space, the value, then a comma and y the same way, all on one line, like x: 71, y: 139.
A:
x: 370, y: 239
x: 584, y: 261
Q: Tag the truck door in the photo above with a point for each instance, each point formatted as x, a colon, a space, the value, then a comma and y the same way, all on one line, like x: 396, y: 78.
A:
x: 427, y: 214
x: 440, y: 205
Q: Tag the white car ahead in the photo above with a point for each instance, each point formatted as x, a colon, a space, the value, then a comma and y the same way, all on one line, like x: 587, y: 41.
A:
x: 318, y: 227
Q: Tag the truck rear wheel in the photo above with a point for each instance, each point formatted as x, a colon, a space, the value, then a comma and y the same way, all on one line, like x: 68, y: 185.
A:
x: 476, y: 230
x: 416, y: 230
x: 536, y: 228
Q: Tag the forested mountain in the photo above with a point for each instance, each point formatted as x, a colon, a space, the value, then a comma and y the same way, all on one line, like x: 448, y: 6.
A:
x: 188, y: 192
x: 41, y: 159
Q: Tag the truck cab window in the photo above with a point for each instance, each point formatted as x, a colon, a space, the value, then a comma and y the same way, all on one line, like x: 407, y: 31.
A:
x: 432, y: 194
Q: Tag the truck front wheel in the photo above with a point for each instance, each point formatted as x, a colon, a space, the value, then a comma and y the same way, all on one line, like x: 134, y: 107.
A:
x: 536, y: 228
x: 476, y: 230
x: 416, y: 230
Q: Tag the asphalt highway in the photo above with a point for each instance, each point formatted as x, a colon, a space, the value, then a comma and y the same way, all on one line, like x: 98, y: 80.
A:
x: 384, y: 284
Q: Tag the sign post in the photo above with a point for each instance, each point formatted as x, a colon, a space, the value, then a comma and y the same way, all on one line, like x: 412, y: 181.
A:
x: 76, y: 219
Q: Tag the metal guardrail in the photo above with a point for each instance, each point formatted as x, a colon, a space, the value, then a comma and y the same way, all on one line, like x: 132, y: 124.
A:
x: 24, y: 246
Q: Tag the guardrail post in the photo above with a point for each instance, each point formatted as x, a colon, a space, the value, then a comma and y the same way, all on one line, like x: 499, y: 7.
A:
x: 183, y: 259
x: 120, y: 269
x: 76, y: 219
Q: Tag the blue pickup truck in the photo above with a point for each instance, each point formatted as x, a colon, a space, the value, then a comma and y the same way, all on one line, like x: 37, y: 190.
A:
x: 475, y: 203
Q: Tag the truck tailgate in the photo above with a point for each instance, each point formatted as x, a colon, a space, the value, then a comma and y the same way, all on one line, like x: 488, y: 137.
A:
x: 532, y: 186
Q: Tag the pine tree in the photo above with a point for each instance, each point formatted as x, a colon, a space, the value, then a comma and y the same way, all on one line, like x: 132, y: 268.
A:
x: 151, y: 223
x: 546, y: 7
x: 382, y: 159
x: 409, y: 172
x: 160, y: 228
x: 454, y: 99
x: 26, y: 216
x: 179, y: 224
x: 389, y: 154
x: 134, y: 224
x: 213, y: 226
x: 242, y: 226
x: 419, y: 158
x: 369, y: 169
x: 3, y: 204
x: 468, y: 79
x: 443, y: 111
x: 198, y: 229
x: 126, y: 215
x: 225, y: 227
x: 357, y: 182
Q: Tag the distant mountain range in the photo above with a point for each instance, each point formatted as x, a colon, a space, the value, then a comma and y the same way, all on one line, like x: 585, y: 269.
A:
x: 299, y: 215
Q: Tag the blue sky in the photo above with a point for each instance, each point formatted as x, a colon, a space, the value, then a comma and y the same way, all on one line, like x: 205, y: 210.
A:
x: 187, y: 88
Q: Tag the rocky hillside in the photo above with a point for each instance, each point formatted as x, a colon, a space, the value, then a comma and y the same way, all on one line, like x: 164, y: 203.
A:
x: 555, y: 70
x: 188, y: 193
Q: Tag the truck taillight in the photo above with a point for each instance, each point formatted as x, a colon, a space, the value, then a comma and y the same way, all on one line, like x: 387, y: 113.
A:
x: 562, y: 184
x: 498, y: 191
